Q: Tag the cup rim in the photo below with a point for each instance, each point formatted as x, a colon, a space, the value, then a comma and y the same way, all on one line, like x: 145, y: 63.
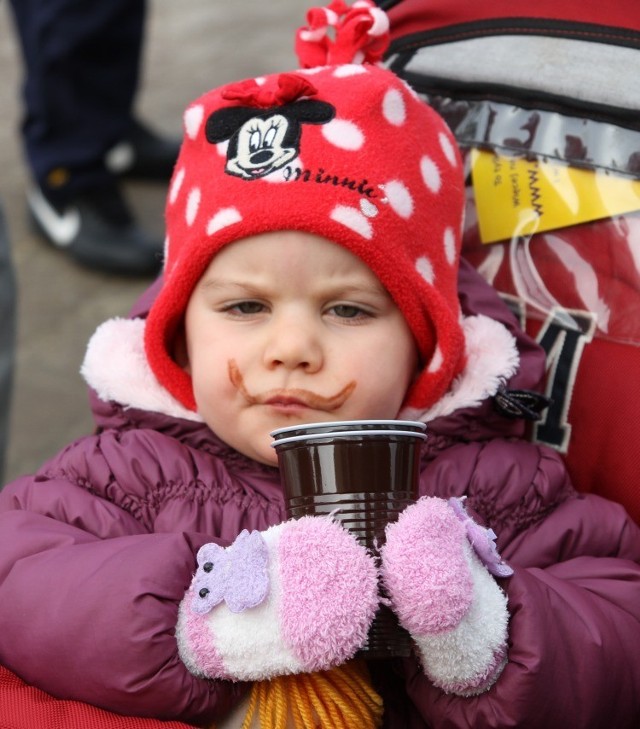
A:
x: 314, y: 437
x: 338, y: 424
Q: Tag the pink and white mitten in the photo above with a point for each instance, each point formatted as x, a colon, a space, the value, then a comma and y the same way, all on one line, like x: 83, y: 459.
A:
x: 296, y: 598
x: 438, y: 567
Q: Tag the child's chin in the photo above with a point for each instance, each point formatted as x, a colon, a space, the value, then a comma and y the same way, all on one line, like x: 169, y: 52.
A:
x: 262, y: 452
x: 265, y: 455
x: 271, y: 461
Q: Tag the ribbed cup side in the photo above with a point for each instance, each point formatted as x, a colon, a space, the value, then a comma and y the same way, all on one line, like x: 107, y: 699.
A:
x: 364, y: 480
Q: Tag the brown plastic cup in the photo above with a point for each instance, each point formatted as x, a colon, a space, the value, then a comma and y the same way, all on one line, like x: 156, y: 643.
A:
x: 364, y: 473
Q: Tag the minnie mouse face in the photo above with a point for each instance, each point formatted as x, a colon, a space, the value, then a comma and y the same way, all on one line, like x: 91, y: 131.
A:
x: 261, y: 147
x: 262, y: 141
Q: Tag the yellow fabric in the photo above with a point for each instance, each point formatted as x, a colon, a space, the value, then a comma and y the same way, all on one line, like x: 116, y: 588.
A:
x: 342, y: 698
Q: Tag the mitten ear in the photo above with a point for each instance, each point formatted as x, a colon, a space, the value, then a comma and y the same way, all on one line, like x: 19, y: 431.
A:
x: 297, y: 598
x: 445, y: 597
x: 238, y: 574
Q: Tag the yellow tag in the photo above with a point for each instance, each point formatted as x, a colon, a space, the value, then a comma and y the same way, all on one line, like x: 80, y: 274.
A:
x: 516, y: 196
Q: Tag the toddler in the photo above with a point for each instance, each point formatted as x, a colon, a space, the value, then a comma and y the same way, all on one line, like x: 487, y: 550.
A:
x: 312, y: 273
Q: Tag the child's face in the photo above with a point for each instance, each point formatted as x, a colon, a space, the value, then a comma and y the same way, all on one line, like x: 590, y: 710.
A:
x: 286, y: 328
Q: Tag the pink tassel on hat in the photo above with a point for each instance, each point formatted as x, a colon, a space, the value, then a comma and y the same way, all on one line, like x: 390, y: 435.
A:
x: 361, y: 34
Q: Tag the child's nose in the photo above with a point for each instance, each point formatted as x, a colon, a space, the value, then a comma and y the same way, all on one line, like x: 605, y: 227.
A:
x: 294, y: 342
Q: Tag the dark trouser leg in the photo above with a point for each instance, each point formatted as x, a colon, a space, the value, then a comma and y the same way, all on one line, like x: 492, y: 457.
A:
x: 82, y: 60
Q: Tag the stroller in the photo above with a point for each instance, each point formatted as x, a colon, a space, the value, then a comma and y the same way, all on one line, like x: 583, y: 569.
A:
x: 543, y: 99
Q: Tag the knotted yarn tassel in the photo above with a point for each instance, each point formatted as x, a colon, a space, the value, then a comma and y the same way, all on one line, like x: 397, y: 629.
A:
x: 341, y: 698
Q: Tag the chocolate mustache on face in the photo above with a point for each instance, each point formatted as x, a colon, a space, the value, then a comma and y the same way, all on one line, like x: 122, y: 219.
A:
x: 306, y: 397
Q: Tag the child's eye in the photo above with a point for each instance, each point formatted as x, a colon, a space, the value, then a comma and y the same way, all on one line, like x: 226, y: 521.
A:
x: 348, y: 311
x: 245, y: 307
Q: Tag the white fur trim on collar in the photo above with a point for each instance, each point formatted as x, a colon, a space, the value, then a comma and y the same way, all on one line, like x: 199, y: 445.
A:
x: 116, y: 367
x: 492, y: 358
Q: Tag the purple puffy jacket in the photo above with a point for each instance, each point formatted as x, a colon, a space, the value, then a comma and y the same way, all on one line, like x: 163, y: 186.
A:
x: 98, y: 548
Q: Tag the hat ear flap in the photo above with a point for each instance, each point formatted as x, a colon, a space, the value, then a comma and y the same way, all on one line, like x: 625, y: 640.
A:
x: 224, y: 123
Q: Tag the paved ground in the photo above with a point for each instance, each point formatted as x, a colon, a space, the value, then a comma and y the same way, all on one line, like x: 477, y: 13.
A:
x: 191, y: 47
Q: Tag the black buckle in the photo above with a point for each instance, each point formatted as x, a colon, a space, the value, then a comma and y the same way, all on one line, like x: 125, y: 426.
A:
x: 526, y: 404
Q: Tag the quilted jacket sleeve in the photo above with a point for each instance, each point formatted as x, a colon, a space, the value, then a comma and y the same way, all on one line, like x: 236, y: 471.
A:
x: 89, y: 593
x: 574, y: 598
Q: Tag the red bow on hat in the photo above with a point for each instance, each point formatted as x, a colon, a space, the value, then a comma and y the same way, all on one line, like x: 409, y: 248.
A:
x: 290, y: 88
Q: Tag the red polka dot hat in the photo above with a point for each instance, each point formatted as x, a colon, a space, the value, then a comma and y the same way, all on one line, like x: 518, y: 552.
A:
x: 341, y: 148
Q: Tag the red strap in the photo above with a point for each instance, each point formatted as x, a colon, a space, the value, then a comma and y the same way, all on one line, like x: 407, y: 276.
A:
x: 415, y: 16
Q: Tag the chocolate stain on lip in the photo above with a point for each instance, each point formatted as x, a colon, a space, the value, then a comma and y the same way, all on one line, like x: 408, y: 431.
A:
x: 305, y: 397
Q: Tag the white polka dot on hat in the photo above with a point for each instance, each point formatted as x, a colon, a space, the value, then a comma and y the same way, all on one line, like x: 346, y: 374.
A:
x: 340, y: 148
